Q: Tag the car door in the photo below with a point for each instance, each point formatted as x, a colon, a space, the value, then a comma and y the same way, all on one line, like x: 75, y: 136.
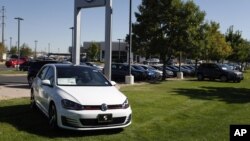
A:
x: 215, y: 71
x: 37, y: 85
x: 48, y: 90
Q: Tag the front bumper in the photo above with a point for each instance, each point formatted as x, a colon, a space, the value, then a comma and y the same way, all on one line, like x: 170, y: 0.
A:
x: 88, y: 119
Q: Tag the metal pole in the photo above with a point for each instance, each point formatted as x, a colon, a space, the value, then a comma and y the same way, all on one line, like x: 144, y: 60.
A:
x: 119, y: 50
x: 77, y: 35
x: 48, y: 48
x: 130, y: 36
x: 10, y: 43
x: 108, y: 40
x: 35, y: 49
x: 3, y: 25
x: 18, y: 42
x: 71, y: 53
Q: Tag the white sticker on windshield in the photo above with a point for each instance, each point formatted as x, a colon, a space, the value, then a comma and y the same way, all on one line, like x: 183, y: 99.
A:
x: 66, y: 81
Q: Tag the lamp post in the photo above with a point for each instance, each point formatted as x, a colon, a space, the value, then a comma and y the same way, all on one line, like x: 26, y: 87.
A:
x: 130, y: 36
x: 129, y: 79
x: 10, y: 43
x: 18, y: 42
x: 119, y: 55
x: 35, y: 48
x: 48, y: 49
x: 72, y: 28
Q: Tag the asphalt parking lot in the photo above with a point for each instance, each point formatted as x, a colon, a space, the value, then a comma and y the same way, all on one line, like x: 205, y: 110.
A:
x: 13, y: 86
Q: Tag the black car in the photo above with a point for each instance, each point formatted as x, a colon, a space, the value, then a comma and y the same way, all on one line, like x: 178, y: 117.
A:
x: 119, y: 71
x: 25, y: 66
x: 214, y: 71
x: 35, y: 67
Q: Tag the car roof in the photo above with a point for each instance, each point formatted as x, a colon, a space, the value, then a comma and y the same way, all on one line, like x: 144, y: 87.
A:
x: 67, y: 65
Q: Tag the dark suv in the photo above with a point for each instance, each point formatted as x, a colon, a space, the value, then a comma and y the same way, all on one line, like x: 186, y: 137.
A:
x: 222, y: 72
x: 34, y: 68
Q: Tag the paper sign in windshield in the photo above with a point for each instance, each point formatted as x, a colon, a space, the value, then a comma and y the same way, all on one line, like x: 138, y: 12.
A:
x: 66, y: 81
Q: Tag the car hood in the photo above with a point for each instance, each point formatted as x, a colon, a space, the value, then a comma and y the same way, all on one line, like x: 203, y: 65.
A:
x: 237, y: 72
x: 93, y: 95
x: 234, y: 71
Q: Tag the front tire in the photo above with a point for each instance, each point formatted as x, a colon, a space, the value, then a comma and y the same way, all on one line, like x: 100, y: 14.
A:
x: 200, y: 77
x: 223, y: 78
x: 32, y: 100
x: 53, y: 116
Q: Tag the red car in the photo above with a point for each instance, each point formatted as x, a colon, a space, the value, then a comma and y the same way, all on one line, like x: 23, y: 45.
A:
x: 13, y: 62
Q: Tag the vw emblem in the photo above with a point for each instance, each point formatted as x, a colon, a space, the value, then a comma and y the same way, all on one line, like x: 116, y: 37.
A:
x: 104, y: 107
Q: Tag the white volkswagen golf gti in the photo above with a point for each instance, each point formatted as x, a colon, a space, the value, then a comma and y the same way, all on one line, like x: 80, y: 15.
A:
x: 79, y: 98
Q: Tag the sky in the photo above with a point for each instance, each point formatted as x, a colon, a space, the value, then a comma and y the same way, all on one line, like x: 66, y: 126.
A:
x: 48, y: 21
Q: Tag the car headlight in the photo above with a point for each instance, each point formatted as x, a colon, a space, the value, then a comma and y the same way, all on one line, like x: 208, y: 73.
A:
x: 67, y: 104
x: 125, y: 104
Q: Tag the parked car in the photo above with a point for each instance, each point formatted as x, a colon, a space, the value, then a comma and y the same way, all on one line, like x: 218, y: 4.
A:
x: 92, y: 65
x: 120, y: 70
x: 25, y: 66
x: 156, y: 74
x: 234, y: 66
x: 34, y: 68
x: 169, y: 73
x: 173, y: 69
x: 13, y: 62
x: 150, y: 75
x: 79, y: 97
x: 218, y: 71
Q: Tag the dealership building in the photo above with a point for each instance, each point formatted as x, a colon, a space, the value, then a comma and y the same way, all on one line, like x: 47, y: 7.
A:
x: 119, y: 50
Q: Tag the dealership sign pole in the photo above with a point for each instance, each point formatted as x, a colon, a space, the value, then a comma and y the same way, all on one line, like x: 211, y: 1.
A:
x: 79, y: 4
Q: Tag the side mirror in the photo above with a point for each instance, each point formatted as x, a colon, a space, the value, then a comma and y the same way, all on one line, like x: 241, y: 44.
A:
x: 46, y: 83
x: 113, y: 83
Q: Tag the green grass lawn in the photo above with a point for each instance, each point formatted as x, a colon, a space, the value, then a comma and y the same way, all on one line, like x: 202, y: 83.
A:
x: 173, y: 110
x: 11, y: 71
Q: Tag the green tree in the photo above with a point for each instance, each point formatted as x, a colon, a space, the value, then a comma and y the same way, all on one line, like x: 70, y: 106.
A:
x: 239, y: 45
x: 217, y: 48
x: 93, y: 51
x: 13, y: 50
x: 25, y: 51
x: 198, y: 50
x: 210, y: 44
x: 164, y: 27
x: 244, y: 51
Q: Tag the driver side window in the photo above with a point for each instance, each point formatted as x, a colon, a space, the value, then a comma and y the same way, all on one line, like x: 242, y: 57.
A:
x: 50, y: 75
x: 42, y: 73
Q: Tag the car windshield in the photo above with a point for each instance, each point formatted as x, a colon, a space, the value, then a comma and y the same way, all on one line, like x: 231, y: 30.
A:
x: 80, y: 76
x: 138, y: 67
x: 225, y: 67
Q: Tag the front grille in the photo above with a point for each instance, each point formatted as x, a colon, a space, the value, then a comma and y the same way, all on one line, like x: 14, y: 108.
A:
x: 94, y: 122
x: 98, y: 107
